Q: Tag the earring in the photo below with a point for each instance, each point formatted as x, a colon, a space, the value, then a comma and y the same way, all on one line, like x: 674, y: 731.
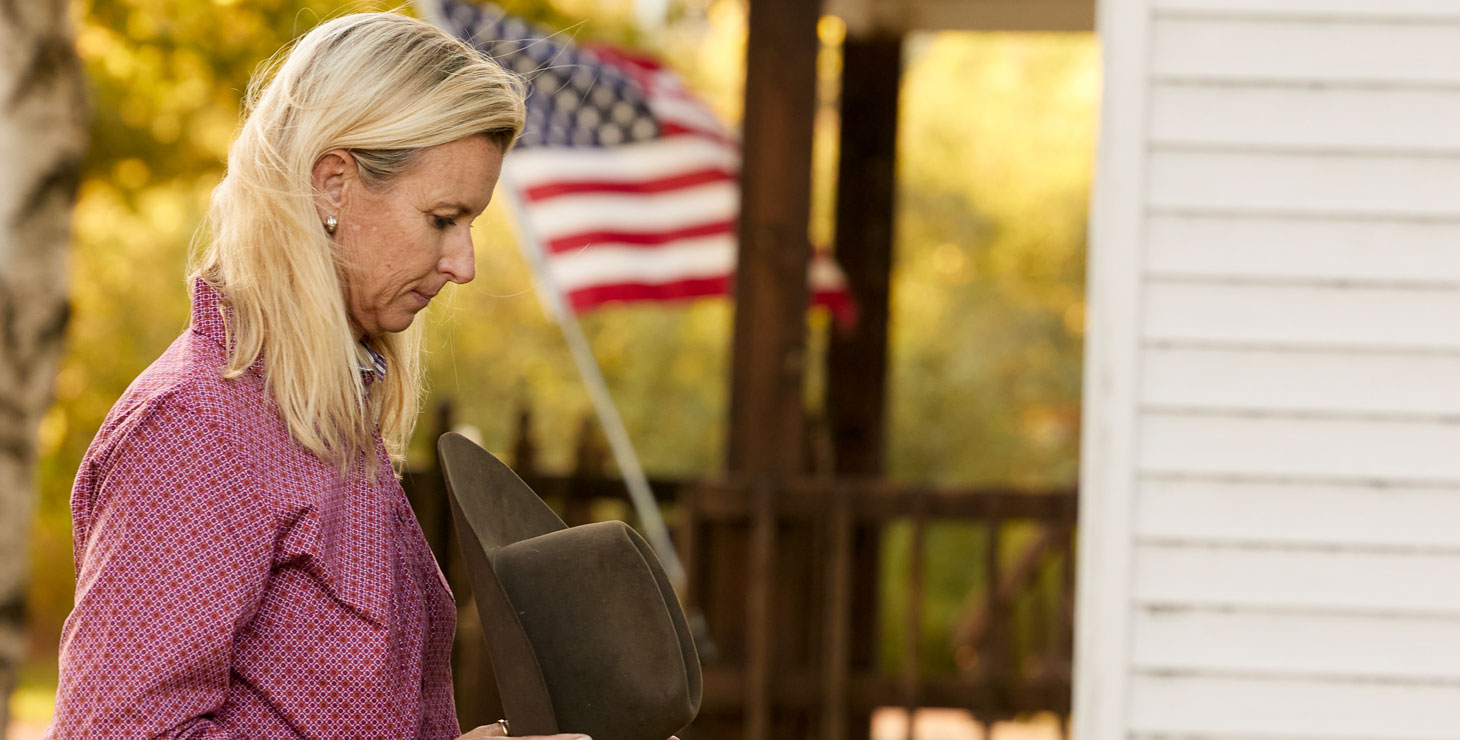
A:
x: 330, y: 224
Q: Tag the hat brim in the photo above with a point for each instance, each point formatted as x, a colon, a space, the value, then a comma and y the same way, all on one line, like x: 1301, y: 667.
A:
x: 484, y: 524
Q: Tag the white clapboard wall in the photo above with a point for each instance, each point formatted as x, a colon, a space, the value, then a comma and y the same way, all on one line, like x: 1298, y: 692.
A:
x: 1271, y: 477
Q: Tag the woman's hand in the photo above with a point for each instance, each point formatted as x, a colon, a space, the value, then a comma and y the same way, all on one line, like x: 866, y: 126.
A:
x: 496, y: 730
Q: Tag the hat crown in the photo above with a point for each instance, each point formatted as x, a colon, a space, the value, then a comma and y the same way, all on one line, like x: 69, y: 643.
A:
x: 603, y: 629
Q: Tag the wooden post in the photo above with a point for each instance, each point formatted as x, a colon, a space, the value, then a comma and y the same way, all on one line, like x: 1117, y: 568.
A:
x: 856, y: 378
x: 588, y: 463
x: 994, y: 650
x: 759, y: 612
x: 1066, y: 632
x: 524, y: 448
x: 856, y: 373
x: 836, y: 657
x: 913, y: 637
x: 767, y: 419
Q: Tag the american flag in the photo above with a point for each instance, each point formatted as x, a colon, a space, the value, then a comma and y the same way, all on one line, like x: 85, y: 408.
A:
x: 626, y: 183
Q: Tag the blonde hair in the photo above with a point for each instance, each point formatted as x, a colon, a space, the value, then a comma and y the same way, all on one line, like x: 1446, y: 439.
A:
x: 384, y: 87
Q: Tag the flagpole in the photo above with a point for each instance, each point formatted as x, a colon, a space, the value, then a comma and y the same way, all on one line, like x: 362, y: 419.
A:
x: 613, y: 426
x: 431, y: 12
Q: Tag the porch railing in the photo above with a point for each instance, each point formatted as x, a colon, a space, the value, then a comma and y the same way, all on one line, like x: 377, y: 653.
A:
x: 1011, y: 647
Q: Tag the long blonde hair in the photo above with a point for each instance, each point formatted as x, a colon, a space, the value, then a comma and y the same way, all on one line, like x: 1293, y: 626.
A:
x: 382, y: 86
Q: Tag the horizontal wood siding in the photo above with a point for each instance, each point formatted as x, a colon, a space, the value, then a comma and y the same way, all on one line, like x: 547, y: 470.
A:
x: 1316, y: 645
x: 1302, y: 315
x: 1286, y: 513
x: 1298, y: 117
x: 1343, y: 50
x: 1266, y: 380
x: 1253, y: 707
x: 1320, y: 580
x: 1285, y: 446
x: 1407, y: 11
x: 1229, y: 246
x: 1295, y: 533
x: 1305, y: 183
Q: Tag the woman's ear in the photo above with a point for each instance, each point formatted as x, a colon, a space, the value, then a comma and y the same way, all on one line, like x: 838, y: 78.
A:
x: 332, y: 174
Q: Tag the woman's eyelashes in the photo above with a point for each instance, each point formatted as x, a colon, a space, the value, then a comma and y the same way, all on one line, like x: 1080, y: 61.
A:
x: 441, y: 222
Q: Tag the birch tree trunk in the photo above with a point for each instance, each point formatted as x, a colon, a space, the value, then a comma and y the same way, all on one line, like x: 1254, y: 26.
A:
x: 42, y: 140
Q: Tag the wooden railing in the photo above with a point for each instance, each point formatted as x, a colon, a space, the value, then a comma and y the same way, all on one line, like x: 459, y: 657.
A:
x: 1012, y: 646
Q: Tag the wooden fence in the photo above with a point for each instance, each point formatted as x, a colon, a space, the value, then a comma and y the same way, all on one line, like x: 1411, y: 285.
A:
x: 1012, y: 644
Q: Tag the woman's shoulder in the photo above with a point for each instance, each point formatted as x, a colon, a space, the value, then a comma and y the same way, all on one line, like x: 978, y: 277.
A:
x: 180, y: 410
x: 173, y: 433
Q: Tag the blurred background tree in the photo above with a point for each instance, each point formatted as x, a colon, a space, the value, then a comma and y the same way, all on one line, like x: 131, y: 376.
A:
x: 42, y: 137
x: 995, y: 154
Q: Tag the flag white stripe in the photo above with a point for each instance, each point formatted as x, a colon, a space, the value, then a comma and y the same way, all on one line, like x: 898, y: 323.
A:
x: 648, y: 160
x: 824, y: 274
x: 685, y: 112
x: 608, y: 265
x: 668, y: 211
x: 614, y: 264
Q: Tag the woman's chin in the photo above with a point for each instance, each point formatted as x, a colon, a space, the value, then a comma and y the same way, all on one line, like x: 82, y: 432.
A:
x: 392, y: 323
x: 398, y: 325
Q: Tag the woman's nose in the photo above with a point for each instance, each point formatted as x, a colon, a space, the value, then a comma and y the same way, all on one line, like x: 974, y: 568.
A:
x: 459, y: 263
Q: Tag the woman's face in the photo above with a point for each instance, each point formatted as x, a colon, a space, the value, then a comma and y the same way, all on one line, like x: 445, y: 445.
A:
x: 403, y: 244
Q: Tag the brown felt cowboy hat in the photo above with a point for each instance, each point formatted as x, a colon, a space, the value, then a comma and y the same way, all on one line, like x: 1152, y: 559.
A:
x: 584, y: 630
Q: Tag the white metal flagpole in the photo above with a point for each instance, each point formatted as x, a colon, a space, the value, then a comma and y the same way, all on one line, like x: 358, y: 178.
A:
x: 622, y: 447
x: 431, y: 11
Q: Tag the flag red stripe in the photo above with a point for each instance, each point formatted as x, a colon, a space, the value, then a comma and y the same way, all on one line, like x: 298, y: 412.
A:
x: 574, y: 242
x: 639, y: 187
x: 585, y: 298
x: 838, y: 302
x: 673, y: 128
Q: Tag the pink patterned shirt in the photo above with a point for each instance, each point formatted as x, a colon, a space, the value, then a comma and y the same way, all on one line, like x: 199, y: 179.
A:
x: 232, y: 585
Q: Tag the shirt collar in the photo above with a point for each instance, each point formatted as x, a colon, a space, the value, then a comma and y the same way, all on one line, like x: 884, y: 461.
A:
x: 211, y: 315
x: 375, y: 368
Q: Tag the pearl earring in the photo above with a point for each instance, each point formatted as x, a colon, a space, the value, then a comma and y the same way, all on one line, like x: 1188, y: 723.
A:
x: 330, y: 224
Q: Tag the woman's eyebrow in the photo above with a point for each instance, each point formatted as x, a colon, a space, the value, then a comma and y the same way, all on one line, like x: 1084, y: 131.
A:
x: 457, y: 208
x: 460, y: 208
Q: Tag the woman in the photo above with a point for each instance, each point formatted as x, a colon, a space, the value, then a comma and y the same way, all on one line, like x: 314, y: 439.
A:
x: 247, y: 565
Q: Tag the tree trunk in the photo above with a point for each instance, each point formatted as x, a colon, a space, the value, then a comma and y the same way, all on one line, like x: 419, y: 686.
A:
x: 42, y: 139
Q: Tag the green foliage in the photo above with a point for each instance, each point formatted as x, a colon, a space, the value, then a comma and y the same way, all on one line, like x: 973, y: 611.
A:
x: 996, y: 137
x: 995, y: 150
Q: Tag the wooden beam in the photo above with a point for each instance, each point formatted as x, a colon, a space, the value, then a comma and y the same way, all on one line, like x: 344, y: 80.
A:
x: 868, y: 690
x: 767, y: 418
x: 893, y: 17
x: 856, y: 358
x: 874, y: 502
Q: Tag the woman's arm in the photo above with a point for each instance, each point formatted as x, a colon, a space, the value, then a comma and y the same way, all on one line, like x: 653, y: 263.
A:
x: 177, y: 549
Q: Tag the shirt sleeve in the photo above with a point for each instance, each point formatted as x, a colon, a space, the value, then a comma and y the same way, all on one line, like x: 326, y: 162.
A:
x: 173, y: 557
